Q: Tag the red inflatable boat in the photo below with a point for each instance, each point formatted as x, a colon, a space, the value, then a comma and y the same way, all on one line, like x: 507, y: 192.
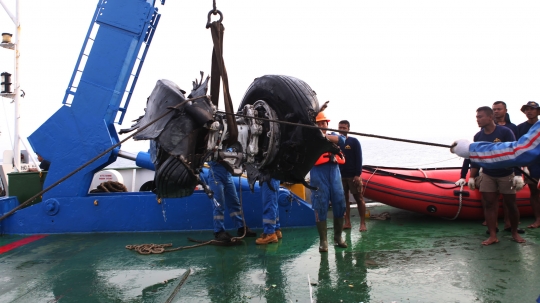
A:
x: 430, y: 191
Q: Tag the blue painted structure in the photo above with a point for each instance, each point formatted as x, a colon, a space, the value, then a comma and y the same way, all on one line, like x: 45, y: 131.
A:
x: 83, y: 127
x: 141, y: 212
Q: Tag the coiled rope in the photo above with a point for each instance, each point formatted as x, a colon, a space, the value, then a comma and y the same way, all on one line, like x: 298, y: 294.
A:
x: 110, y: 187
x: 147, y: 249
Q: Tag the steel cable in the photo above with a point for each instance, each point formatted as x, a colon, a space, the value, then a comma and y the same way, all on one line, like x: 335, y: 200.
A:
x: 337, y: 130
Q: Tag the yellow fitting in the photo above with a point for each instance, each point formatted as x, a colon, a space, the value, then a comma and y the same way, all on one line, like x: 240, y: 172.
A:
x: 95, y: 202
x: 159, y: 200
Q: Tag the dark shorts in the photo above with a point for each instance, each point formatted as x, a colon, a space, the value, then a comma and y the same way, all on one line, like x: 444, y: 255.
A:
x: 501, y: 185
x: 348, y: 185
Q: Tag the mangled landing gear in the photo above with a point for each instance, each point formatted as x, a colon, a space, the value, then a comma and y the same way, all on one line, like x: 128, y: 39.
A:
x: 195, y: 132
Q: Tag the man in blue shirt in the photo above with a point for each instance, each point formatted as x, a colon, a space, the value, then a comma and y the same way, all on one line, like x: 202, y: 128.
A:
x: 532, y: 110
x: 351, y: 175
x: 493, y: 182
x: 502, y: 118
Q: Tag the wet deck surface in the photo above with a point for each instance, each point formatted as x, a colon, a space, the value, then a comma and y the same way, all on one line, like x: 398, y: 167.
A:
x: 410, y: 258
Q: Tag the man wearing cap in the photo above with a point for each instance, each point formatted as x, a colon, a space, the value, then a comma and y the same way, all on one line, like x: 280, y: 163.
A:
x: 326, y: 177
x: 531, y: 110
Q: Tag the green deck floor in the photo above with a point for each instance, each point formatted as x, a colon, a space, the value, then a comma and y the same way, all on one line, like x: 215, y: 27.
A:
x: 410, y: 258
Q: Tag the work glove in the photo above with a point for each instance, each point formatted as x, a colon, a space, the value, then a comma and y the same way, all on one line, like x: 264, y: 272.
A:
x: 518, y: 182
x: 472, y: 184
x: 461, y: 182
x: 461, y: 148
x: 526, y: 170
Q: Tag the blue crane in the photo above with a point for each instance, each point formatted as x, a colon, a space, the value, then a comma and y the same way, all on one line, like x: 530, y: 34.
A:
x: 98, y: 96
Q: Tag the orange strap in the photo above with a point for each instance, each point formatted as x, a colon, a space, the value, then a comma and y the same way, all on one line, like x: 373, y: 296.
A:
x: 325, y: 158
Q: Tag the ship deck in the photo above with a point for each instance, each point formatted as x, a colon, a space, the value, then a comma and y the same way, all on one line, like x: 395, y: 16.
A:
x: 409, y: 258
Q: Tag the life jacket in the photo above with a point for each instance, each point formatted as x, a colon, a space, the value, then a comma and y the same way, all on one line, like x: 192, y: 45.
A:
x: 329, y: 157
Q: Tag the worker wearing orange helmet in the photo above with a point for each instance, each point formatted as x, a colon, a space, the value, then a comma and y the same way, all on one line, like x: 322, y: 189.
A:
x: 326, y: 177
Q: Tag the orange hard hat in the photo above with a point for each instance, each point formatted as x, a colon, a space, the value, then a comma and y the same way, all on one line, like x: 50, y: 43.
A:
x: 321, y: 117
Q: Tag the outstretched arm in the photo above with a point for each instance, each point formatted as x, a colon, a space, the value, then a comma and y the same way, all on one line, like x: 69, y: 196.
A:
x: 523, y: 152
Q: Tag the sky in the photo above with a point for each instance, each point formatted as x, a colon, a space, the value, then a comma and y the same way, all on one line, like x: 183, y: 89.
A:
x: 406, y: 69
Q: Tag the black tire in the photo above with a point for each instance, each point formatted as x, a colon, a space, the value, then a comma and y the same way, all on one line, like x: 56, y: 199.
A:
x: 288, y: 96
x: 148, y: 186
x: 174, y: 180
x: 299, y: 147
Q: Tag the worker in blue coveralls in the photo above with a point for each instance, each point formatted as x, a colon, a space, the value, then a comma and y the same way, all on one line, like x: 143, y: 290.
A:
x: 326, y: 177
x: 272, y: 232
x: 221, y: 183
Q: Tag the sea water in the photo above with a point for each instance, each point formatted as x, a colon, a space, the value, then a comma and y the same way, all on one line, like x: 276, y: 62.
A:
x: 379, y: 152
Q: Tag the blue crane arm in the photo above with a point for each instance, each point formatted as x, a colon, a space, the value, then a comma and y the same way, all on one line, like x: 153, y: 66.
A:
x: 83, y: 127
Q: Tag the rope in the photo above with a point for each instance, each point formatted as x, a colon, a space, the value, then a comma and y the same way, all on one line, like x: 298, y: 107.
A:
x: 431, y: 180
x: 365, y: 186
x: 425, y: 175
x: 409, y: 178
x: 110, y: 187
x: 382, y: 216
x: 342, y: 131
x: 147, y: 249
x: 95, y: 158
x: 460, y: 204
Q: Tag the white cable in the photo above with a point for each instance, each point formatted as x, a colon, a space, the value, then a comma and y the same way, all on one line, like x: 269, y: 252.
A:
x: 365, y: 186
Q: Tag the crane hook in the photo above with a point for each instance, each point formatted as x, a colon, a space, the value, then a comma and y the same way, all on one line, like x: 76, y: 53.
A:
x: 217, y: 12
x: 214, y: 11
